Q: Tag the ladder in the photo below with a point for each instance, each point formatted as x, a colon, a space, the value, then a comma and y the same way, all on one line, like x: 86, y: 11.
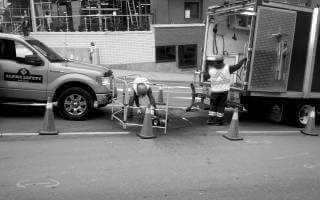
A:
x: 133, y: 13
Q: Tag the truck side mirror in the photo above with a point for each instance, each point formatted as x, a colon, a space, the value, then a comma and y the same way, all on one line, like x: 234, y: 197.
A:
x: 33, y: 60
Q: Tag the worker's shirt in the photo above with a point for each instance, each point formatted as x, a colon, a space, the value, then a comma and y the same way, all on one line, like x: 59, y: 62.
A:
x: 220, y: 79
x: 138, y: 80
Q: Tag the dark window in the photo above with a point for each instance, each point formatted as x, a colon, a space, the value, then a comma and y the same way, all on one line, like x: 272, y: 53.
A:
x: 188, y: 56
x: 165, y: 54
x: 7, y: 49
x: 191, y: 10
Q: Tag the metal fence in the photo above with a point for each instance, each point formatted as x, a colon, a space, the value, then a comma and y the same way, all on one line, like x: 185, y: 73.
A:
x: 87, y: 23
x: 11, y: 19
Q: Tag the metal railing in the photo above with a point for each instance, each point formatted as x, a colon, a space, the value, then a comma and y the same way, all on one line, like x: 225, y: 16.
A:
x: 85, y: 23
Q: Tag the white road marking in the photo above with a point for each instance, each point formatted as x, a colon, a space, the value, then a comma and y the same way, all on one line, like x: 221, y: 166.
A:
x: 96, y: 133
x: 291, y: 156
x: 258, y: 142
x: 264, y: 132
x: 69, y: 133
x: 48, y: 184
x: 311, y: 166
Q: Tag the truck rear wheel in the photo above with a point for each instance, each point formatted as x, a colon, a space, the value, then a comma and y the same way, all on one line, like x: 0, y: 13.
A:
x: 302, y: 114
x: 75, y: 104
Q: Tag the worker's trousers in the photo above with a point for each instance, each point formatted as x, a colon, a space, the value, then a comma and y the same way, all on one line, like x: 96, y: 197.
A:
x: 218, y: 101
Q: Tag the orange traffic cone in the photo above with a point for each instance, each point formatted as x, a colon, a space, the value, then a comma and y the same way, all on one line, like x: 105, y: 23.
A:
x: 309, y: 128
x: 48, y: 127
x: 233, y: 132
x: 160, y: 97
x: 147, y: 130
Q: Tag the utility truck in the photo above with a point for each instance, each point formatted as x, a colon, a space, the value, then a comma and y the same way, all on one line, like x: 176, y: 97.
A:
x: 281, y: 79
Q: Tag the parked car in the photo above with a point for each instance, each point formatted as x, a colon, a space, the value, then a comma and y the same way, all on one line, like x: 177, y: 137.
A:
x: 30, y: 71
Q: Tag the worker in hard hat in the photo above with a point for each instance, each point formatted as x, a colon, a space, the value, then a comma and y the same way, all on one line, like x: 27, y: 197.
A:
x: 220, y: 80
x: 140, y: 88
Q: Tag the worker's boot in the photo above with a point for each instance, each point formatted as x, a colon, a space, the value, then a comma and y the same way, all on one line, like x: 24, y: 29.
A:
x: 211, y: 120
x: 219, y: 121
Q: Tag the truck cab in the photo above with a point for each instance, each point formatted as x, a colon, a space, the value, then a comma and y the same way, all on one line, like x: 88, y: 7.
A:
x: 30, y: 71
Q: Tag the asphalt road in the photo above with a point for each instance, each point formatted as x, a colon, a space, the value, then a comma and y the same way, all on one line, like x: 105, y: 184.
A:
x: 187, y: 164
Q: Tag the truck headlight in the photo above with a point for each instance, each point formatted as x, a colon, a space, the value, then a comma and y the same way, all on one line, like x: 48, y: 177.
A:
x: 105, y: 81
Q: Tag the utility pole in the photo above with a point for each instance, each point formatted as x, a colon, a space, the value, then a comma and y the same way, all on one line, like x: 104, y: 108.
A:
x: 33, y: 16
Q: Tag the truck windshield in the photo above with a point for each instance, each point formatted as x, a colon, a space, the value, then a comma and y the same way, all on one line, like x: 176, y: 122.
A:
x: 46, y: 51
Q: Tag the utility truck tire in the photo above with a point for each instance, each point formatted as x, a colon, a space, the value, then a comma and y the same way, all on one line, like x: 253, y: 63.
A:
x: 75, y: 104
x: 302, y: 113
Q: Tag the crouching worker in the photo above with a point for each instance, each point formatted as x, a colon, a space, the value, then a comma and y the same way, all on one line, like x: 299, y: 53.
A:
x: 220, y: 81
x: 141, y: 88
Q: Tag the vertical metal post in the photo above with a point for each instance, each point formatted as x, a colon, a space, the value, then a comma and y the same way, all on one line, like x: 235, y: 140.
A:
x: 33, y: 17
x: 167, y: 110
x: 67, y: 22
x: 85, y: 24
x: 128, y: 29
x: 204, y: 49
x: 313, y: 39
x: 105, y: 24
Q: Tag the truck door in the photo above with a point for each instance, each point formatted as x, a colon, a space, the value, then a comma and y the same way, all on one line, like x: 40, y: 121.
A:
x: 20, y: 80
x: 272, y: 48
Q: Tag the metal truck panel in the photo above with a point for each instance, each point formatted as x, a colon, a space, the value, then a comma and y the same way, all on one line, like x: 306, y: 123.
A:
x: 271, y: 24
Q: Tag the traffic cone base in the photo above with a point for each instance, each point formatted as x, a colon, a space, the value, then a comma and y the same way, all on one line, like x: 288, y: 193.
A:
x: 230, y: 137
x: 309, y: 133
x: 48, y: 127
x: 309, y: 128
x: 147, y: 129
x: 233, y: 132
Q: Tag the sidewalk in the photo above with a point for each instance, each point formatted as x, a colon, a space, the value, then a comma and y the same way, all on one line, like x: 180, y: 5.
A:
x: 157, y: 76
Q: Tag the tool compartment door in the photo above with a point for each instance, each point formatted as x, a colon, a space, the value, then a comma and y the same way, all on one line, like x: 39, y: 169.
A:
x: 272, y: 48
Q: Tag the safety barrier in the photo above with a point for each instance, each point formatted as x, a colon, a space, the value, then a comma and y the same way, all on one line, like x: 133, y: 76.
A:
x: 121, y: 110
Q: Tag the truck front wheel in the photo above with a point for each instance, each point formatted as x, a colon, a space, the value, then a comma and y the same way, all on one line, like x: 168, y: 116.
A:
x: 75, y: 104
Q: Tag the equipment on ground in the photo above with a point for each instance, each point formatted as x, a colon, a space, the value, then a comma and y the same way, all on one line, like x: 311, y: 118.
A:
x: 281, y: 41
x: 141, y: 116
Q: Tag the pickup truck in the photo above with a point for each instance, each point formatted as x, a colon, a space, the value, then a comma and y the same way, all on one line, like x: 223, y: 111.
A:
x: 31, y: 72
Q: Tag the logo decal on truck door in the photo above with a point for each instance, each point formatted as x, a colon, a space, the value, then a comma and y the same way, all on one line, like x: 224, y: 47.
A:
x: 23, y: 75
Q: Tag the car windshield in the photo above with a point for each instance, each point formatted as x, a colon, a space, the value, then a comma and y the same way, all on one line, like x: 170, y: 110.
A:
x: 46, y: 51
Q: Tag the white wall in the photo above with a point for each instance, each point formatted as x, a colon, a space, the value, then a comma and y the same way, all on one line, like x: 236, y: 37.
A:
x: 114, y: 47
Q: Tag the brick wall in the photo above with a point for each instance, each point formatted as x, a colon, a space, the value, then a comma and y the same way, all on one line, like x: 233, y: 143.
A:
x: 114, y: 47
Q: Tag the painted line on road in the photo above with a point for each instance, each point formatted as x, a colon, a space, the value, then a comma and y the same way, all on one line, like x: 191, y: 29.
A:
x: 96, y: 133
x: 69, y: 133
x: 264, y: 132
x: 291, y: 156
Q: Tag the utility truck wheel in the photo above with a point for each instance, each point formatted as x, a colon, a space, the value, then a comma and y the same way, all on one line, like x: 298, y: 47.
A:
x: 302, y: 114
x: 75, y: 104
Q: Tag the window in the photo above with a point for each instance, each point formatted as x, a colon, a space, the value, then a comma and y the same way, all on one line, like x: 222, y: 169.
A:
x: 191, y: 10
x: 22, y: 51
x: 7, y: 49
x: 165, y: 54
x: 187, y: 56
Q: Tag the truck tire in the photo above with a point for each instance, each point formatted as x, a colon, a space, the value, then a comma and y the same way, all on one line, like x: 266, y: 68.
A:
x: 75, y: 104
x: 302, y: 113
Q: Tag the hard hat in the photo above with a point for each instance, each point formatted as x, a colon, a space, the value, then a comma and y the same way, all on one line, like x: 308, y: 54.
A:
x: 215, y: 58
x: 142, y: 89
